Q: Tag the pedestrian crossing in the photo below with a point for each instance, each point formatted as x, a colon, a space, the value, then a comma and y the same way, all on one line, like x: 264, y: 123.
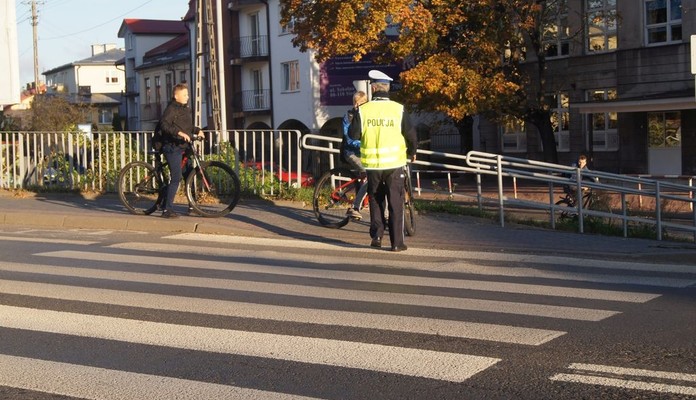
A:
x: 316, y: 305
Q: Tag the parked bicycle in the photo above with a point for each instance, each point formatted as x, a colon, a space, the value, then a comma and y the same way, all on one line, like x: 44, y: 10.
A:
x: 336, y: 191
x: 212, y: 187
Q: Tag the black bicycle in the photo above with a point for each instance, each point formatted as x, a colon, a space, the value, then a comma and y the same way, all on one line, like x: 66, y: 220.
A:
x: 212, y: 187
x: 568, y: 203
x: 337, y: 189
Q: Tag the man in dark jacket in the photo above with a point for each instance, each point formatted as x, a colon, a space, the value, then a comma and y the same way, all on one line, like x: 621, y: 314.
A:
x: 177, y: 129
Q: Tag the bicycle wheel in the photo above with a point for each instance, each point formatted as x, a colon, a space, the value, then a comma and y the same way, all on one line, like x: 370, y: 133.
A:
x: 409, y: 208
x: 334, y: 194
x: 213, y: 190
x: 568, y: 209
x: 139, y: 188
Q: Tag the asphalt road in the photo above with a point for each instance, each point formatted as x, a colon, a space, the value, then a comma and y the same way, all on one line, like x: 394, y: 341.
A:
x: 103, y: 314
x: 265, y: 303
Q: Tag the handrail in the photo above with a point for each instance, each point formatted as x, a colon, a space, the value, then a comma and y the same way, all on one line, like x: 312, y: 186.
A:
x: 554, y: 175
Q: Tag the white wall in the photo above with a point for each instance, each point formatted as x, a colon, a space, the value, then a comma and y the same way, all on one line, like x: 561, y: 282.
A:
x: 304, y: 104
x: 95, y: 76
x: 9, y: 59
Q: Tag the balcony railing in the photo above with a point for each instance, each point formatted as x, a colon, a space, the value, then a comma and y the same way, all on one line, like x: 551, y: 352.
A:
x: 151, y: 111
x: 249, y: 47
x: 130, y: 85
x: 253, y: 100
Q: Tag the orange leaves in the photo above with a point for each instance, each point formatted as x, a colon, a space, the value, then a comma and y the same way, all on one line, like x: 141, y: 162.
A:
x: 457, y: 47
x: 442, y: 83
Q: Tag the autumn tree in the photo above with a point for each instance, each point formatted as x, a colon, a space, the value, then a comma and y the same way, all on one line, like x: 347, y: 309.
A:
x: 55, y: 114
x: 466, y: 57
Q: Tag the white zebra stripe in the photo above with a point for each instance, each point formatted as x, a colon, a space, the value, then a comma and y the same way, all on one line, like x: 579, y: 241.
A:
x: 107, y: 384
x: 506, y: 307
x: 439, y: 253
x: 390, y: 359
x: 429, y: 326
x: 489, y: 286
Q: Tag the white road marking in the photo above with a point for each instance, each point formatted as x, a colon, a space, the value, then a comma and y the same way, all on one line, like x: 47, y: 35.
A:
x: 429, y: 326
x: 458, y: 254
x: 107, y: 384
x: 621, y: 377
x: 479, y: 285
x: 45, y: 240
x: 457, y: 303
x: 608, y: 369
x: 511, y: 270
x: 390, y: 359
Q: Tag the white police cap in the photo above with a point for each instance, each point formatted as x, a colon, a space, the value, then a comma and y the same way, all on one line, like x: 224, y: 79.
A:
x: 379, y: 76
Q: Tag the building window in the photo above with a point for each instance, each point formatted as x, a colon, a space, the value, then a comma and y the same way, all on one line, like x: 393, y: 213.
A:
x: 560, y: 120
x: 158, y: 90
x: 601, y: 25
x: 111, y: 77
x: 106, y: 116
x: 664, y: 129
x: 513, y: 135
x: 286, y: 29
x: 182, y: 76
x: 663, y: 21
x: 168, y: 86
x: 556, y: 32
x: 148, y: 91
x: 605, y: 136
x: 291, y: 76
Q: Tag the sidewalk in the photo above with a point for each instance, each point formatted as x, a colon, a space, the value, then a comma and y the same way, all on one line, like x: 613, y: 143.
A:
x: 257, y: 218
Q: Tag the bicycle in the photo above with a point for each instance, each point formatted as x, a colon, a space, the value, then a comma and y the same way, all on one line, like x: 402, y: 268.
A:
x: 569, y: 200
x: 335, y: 193
x: 212, y: 187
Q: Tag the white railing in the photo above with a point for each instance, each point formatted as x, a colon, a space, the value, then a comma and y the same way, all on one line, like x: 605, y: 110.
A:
x: 76, y: 160
x: 553, y: 177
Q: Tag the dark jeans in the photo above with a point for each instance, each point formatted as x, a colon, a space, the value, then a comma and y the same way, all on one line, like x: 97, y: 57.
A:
x: 387, y: 184
x: 174, y: 154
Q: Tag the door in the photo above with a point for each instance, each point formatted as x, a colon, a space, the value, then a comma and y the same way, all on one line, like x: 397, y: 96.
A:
x: 664, y: 143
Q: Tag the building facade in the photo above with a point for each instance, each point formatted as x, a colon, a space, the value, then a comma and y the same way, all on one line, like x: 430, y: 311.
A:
x: 618, y: 77
x: 620, y: 84
x: 142, y: 36
x: 96, y: 80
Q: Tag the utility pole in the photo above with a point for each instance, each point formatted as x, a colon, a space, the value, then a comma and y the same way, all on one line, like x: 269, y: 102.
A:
x: 34, y: 23
x: 205, y: 23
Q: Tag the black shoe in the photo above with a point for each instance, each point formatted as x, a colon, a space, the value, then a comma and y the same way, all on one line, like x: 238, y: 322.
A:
x: 399, y: 248
x: 169, y: 214
x: 376, y: 242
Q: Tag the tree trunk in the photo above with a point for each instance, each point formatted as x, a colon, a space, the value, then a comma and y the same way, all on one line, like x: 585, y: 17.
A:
x: 466, y: 134
x: 542, y: 120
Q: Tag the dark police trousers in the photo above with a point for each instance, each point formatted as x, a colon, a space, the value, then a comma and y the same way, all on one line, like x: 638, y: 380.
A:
x: 387, y: 183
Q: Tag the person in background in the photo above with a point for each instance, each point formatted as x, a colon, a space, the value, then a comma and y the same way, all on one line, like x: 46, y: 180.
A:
x: 177, y: 130
x: 387, y: 141
x: 350, y: 152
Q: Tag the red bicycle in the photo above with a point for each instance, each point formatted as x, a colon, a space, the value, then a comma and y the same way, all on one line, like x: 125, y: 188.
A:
x: 336, y: 191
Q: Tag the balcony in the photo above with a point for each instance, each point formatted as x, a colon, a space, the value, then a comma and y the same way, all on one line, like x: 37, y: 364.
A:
x: 253, y: 101
x: 151, y: 111
x: 130, y: 88
x: 249, y: 48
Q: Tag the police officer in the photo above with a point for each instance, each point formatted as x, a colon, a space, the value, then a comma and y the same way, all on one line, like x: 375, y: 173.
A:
x: 387, y: 142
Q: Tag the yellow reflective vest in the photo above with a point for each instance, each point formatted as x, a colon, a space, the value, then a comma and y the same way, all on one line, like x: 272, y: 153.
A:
x: 382, y: 145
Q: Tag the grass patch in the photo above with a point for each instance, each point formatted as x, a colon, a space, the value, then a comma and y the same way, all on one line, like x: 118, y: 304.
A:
x: 450, y: 207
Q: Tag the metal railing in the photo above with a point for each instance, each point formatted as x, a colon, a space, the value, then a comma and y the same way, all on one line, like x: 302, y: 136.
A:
x: 553, y: 177
x: 80, y: 161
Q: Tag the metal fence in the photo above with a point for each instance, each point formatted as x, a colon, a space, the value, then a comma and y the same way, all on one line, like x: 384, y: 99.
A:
x: 266, y: 161
x: 509, y: 171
